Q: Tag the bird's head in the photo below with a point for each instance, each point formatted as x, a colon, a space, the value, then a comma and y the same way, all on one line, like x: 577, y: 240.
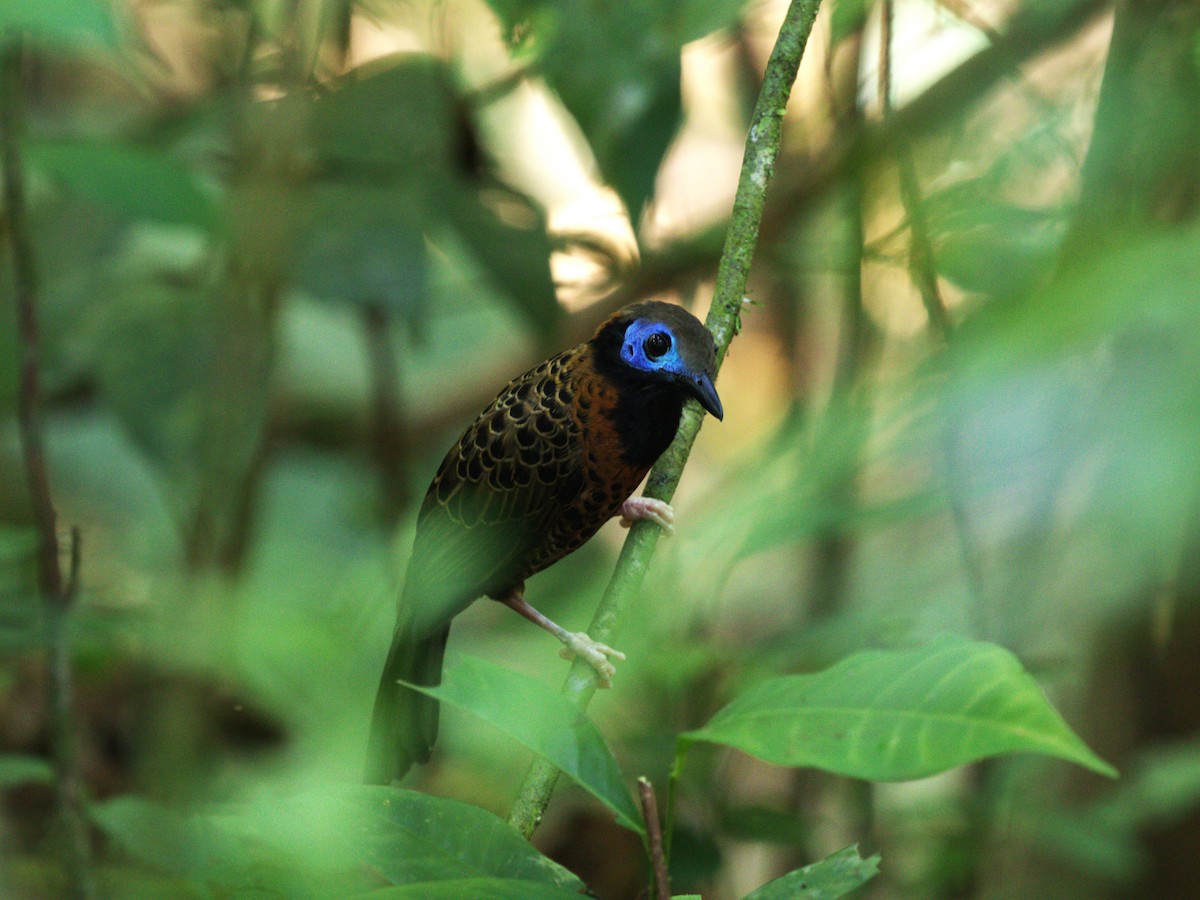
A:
x: 667, y: 343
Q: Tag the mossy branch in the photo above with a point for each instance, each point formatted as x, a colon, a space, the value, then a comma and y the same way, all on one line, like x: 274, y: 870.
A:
x: 758, y: 164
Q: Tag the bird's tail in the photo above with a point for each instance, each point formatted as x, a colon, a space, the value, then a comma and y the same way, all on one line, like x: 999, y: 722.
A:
x: 404, y: 723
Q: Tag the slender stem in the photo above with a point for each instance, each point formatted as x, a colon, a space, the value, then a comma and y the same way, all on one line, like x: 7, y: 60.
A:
x: 57, y: 596
x: 922, y: 266
x: 387, y: 425
x: 658, y: 862
x: 762, y: 148
x: 681, y: 749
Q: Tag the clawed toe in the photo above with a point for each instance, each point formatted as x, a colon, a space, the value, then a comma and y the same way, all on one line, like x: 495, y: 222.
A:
x: 595, y: 654
x: 659, y: 512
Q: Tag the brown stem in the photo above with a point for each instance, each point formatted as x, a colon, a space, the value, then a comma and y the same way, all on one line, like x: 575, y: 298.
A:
x: 658, y: 860
x: 56, y: 597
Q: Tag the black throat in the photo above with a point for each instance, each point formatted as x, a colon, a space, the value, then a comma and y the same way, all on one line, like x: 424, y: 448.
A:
x: 648, y: 406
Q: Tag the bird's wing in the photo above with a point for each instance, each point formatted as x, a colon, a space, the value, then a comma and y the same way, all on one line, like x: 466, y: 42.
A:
x: 496, y: 493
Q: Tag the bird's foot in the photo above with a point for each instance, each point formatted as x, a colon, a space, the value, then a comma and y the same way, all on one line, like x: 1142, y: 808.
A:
x: 657, y: 511
x: 595, y: 654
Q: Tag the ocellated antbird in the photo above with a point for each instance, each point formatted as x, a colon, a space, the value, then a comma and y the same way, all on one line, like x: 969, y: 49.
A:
x: 551, y: 459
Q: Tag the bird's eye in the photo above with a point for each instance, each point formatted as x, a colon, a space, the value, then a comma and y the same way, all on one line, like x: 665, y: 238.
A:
x: 657, y: 344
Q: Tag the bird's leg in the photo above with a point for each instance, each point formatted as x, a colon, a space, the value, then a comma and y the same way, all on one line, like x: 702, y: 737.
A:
x: 575, y: 643
x: 657, y: 511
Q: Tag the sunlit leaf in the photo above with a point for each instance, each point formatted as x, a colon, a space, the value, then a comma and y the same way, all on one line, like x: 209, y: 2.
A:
x: 545, y: 722
x: 17, y: 770
x: 136, y: 183
x: 77, y: 24
x: 899, y: 715
x: 834, y: 876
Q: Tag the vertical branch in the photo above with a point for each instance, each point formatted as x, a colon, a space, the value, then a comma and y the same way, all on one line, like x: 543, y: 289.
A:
x: 724, y: 318
x: 58, y: 595
x: 387, y: 422
x: 922, y: 267
x: 658, y: 860
x: 838, y: 445
x: 261, y: 210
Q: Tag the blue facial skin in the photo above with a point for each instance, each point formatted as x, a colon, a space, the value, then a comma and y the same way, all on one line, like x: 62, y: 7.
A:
x: 633, y: 351
x: 670, y: 363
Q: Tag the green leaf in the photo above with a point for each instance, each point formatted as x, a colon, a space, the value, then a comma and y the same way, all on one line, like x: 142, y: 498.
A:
x: 336, y: 842
x: 67, y: 23
x: 492, y: 888
x: 544, y: 721
x: 900, y: 715
x: 16, y: 770
x: 136, y: 183
x: 366, y: 246
x: 699, y: 18
x: 399, y: 112
x: 153, y: 344
x: 846, y: 18
x: 990, y: 247
x: 171, y: 841
x: 617, y: 70
x: 414, y: 839
x: 505, y: 233
x: 834, y: 876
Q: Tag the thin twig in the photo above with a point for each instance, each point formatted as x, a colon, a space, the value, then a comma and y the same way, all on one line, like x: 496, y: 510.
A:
x: 922, y: 267
x: 1031, y: 30
x: 658, y: 861
x: 57, y: 597
x: 762, y: 148
x: 387, y: 418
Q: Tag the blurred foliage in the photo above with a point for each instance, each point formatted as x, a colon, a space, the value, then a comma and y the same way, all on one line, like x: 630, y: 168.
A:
x: 226, y: 200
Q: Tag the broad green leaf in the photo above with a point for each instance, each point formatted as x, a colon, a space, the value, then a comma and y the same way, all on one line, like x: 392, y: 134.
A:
x: 366, y: 246
x: 991, y: 247
x: 153, y: 345
x: 65, y: 23
x: 334, y: 842
x: 492, y: 888
x: 17, y: 770
x: 699, y: 18
x: 399, y: 113
x: 505, y: 233
x: 617, y: 70
x: 545, y: 722
x: 173, y: 841
x: 900, y: 715
x: 834, y: 876
x: 137, y: 183
x: 412, y: 838
x: 847, y: 17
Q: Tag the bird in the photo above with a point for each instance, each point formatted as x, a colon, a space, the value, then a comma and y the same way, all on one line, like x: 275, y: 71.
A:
x: 554, y: 456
